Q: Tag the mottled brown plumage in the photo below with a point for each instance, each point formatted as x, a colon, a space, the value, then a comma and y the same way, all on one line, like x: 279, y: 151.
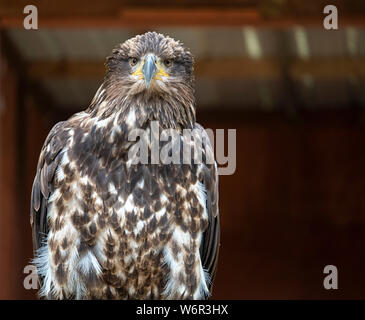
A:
x: 106, y: 228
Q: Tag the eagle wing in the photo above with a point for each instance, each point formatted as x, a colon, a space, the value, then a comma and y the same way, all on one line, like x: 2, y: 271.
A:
x: 209, y: 247
x: 48, y: 163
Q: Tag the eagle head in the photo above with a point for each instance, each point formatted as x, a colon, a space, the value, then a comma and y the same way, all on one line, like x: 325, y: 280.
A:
x: 151, y: 63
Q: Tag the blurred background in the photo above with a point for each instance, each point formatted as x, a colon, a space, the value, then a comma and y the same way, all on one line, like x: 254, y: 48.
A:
x: 293, y: 90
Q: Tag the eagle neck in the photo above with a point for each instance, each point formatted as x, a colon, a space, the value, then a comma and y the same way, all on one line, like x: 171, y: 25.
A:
x: 171, y: 111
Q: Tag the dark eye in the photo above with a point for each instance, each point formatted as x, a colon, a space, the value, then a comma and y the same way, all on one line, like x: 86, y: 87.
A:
x: 168, y: 62
x: 133, y: 61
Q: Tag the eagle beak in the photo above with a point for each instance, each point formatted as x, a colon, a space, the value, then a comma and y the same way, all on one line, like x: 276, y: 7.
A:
x: 149, y: 68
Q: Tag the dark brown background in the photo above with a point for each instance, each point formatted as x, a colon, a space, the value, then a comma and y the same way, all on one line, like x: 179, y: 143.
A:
x: 294, y: 205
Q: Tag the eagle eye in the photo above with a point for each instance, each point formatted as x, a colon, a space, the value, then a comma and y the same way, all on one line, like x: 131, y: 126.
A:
x: 168, y: 62
x: 133, y: 61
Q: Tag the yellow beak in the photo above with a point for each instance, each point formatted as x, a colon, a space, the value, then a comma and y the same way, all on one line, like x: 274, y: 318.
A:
x: 149, y: 69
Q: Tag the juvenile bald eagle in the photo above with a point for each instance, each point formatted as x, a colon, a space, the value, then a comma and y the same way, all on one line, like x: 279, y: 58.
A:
x: 105, y: 227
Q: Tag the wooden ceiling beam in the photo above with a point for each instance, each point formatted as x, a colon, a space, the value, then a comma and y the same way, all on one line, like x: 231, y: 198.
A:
x: 18, y: 65
x: 329, y: 68
x: 128, y: 13
x: 323, y: 68
x: 234, y: 67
